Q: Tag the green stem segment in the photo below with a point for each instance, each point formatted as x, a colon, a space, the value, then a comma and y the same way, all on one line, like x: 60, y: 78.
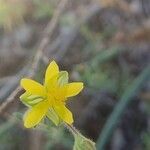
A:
x: 120, y: 107
x: 72, y: 129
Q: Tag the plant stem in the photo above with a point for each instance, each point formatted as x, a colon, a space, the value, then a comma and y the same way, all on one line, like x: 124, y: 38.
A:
x: 71, y: 128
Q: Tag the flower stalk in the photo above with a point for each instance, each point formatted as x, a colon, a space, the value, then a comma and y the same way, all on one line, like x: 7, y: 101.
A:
x: 72, y: 129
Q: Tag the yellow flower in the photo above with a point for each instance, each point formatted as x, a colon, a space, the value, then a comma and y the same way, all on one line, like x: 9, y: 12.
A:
x: 48, y: 100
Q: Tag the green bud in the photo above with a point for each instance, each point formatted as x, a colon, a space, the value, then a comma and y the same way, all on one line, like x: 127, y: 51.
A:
x: 35, y: 101
x: 63, y: 78
x: 30, y: 100
x: 51, y: 114
x: 82, y: 143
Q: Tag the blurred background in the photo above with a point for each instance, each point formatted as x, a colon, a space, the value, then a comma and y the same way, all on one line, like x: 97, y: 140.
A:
x: 103, y: 43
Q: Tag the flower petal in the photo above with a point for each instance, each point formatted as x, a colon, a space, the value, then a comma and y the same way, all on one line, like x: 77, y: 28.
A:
x: 52, y: 83
x: 51, y: 71
x: 64, y: 113
x: 60, y: 94
x: 34, y: 115
x: 57, y: 81
x: 74, y: 88
x: 33, y: 87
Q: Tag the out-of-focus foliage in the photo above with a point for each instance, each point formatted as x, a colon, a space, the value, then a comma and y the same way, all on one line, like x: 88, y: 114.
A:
x: 12, y: 12
x: 146, y: 139
x: 57, y: 136
x: 146, y: 135
x: 43, y: 9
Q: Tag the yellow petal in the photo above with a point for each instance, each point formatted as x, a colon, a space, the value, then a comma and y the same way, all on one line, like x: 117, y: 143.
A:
x: 34, y: 115
x: 51, y: 71
x: 60, y: 93
x: 52, y: 83
x: 33, y: 87
x: 74, y: 88
x: 57, y: 81
x: 64, y: 113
